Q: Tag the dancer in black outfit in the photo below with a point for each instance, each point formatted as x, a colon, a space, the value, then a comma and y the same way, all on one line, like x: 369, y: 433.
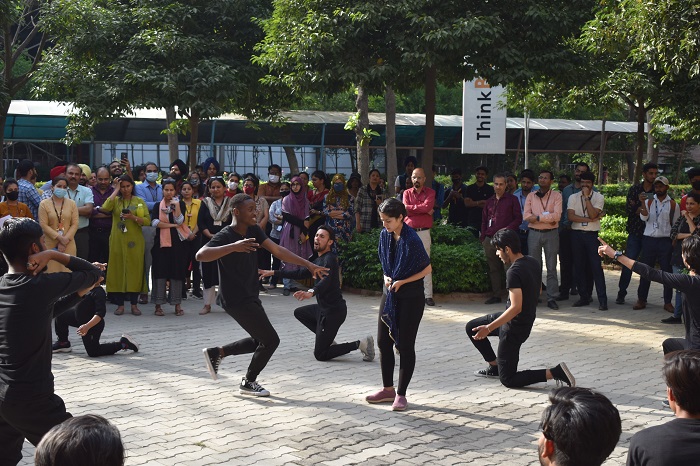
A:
x: 29, y: 300
x: 404, y: 264
x: 326, y: 317
x: 514, y: 325
x: 88, y: 316
x: 231, y: 248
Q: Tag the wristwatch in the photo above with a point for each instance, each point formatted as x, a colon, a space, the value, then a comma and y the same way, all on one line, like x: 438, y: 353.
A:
x: 617, y: 255
x: 312, y: 291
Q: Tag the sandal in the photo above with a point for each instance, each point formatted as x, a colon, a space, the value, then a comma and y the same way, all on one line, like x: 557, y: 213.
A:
x: 136, y: 311
x: 159, y: 311
x: 179, y: 312
x: 119, y: 311
x: 205, y: 310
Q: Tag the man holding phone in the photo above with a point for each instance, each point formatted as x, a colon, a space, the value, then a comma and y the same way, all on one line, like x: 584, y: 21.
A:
x: 636, y: 196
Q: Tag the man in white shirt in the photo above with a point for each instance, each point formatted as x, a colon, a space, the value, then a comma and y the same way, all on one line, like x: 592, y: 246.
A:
x: 584, y: 211
x: 84, y: 199
x: 659, y: 213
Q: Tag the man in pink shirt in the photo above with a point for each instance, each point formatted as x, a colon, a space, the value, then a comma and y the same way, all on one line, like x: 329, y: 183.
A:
x: 420, y: 202
x: 542, y: 211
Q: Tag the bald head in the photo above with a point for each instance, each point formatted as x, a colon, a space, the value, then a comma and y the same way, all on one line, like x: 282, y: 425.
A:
x: 418, y: 178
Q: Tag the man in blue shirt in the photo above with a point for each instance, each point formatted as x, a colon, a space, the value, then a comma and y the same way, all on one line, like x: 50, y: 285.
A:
x: 152, y: 193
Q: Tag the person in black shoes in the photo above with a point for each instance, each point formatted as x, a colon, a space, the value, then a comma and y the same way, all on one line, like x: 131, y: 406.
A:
x: 88, y: 316
x: 513, y: 326
x: 579, y: 427
x: 326, y: 317
x: 29, y: 300
x: 233, y: 250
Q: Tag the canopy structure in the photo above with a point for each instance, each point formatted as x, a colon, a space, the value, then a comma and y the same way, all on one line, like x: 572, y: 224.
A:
x: 40, y: 121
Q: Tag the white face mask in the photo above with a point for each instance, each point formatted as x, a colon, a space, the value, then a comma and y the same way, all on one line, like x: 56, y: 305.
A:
x: 273, y: 179
x: 232, y: 185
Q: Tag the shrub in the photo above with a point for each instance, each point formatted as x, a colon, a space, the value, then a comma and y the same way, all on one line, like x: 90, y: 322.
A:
x: 459, y: 268
x: 613, y: 230
x: 615, y: 205
x: 451, y: 235
x: 361, y: 267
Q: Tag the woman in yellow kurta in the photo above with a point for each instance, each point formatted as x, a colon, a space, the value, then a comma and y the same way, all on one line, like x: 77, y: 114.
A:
x: 126, y: 244
x: 58, y: 217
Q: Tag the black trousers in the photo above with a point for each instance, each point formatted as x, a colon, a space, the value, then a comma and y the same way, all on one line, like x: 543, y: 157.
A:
x: 263, y: 340
x: 30, y: 420
x: 119, y: 298
x: 99, y: 245
x: 325, y: 324
x: 509, y: 344
x: 91, y: 340
x: 276, y: 263
x: 82, y: 243
x: 408, y: 316
x: 587, y: 268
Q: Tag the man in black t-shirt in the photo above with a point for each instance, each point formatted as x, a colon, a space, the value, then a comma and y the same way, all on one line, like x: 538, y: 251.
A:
x: 326, y: 317
x: 29, y: 299
x: 454, y: 199
x: 513, y: 326
x: 475, y: 198
x: 677, y: 441
x: 238, y: 278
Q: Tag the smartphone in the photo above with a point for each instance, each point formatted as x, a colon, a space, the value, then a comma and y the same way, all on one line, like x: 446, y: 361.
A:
x: 649, y: 196
x: 125, y: 156
x: 126, y: 211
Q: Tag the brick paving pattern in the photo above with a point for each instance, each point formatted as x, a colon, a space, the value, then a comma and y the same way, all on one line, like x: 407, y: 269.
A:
x: 170, y: 412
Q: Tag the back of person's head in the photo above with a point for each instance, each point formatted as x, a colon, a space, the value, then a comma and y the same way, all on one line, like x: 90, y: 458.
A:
x: 583, y: 426
x: 506, y: 238
x: 16, y: 237
x: 24, y: 167
x: 392, y: 208
x: 690, y: 251
x: 88, y: 440
x: 682, y: 375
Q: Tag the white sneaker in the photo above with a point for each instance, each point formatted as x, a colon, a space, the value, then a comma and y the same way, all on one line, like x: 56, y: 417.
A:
x: 367, y: 348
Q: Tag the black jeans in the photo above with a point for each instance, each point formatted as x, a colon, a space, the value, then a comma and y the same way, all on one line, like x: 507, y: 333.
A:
x: 30, y: 420
x: 653, y: 250
x: 276, y: 263
x: 325, y: 324
x: 119, y: 298
x: 509, y: 344
x: 585, y: 247
x: 408, y: 315
x: 91, y: 340
x: 263, y: 340
x: 82, y: 243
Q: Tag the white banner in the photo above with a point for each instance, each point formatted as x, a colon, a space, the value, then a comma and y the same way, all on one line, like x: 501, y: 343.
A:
x: 483, y: 119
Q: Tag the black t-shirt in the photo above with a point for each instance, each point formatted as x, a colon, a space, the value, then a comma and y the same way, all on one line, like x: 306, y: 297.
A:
x: 476, y: 193
x: 526, y: 274
x: 27, y: 306
x: 675, y: 443
x: 238, y: 271
x: 327, y: 289
x: 458, y: 213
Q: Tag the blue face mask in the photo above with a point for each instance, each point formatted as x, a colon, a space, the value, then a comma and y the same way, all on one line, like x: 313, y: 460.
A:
x: 60, y: 192
x: 151, y: 177
x: 338, y: 187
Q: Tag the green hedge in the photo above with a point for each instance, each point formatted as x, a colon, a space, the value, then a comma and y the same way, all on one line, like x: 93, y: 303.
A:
x: 615, y: 205
x: 454, y: 251
x: 613, y: 230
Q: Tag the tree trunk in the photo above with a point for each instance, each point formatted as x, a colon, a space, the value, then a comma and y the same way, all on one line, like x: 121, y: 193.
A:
x: 170, y: 118
x: 3, y: 119
x: 194, y: 136
x: 362, y: 105
x: 392, y: 170
x: 429, y: 142
x: 641, y: 119
x: 292, y: 160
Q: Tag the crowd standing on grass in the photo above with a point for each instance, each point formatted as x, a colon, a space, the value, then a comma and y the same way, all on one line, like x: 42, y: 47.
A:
x: 222, y: 237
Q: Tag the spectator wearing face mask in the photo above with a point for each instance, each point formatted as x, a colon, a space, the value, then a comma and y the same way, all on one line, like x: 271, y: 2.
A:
x: 339, y: 211
x: 58, y: 217
x: 233, y: 185
x: 195, y: 181
x: 11, y: 206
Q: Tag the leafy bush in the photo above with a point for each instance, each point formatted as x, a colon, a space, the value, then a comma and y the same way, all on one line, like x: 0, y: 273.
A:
x: 615, y: 205
x: 454, y: 251
x: 610, y: 190
x: 613, y: 230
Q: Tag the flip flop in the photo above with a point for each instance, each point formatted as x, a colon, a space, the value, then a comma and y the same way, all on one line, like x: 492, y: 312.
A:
x: 159, y: 312
x: 205, y: 311
x: 179, y: 312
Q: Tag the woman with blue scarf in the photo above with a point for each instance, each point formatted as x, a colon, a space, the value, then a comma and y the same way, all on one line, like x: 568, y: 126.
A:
x: 404, y: 264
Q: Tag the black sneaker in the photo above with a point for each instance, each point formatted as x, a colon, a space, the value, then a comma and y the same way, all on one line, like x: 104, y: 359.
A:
x: 672, y: 320
x: 61, y: 347
x: 490, y: 372
x: 252, y: 388
x: 561, y: 374
x: 129, y: 342
x: 213, y: 358
x: 620, y: 299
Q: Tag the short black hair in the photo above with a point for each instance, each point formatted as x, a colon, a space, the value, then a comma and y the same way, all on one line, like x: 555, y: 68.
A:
x: 456, y: 171
x: 24, y: 167
x: 681, y: 372
x: 81, y: 440
x: 506, y: 238
x: 529, y: 174
x: 16, y: 236
x: 166, y: 181
x: 239, y: 199
x: 410, y: 159
x: 587, y: 176
x: 583, y: 164
x: 551, y: 175
x: 693, y: 172
x: 482, y: 168
x: 274, y: 165
x: 566, y: 177
x: 690, y: 250
x: 331, y: 233
x: 8, y: 182
x: 649, y: 166
x: 392, y: 207
x: 583, y: 424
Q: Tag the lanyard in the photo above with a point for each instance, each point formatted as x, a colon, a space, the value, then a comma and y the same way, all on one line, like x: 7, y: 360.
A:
x: 544, y: 206
x: 189, y: 212
x: 125, y: 206
x: 70, y: 197
x: 58, y: 215
x: 583, y: 206
x: 656, y: 208
x: 495, y: 208
x: 154, y: 197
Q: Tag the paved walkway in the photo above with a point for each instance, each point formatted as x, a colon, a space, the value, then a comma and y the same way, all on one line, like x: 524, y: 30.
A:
x: 170, y: 412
